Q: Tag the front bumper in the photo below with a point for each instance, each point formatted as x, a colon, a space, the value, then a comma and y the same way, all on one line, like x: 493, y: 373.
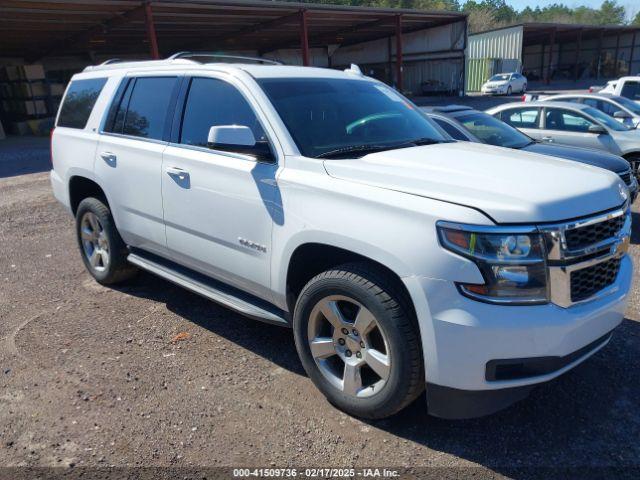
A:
x: 461, y: 337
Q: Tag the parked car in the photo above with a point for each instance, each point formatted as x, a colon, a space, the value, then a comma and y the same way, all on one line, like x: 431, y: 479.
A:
x: 628, y: 87
x: 505, y: 84
x: 573, y: 124
x: 620, y: 108
x: 327, y: 202
x: 466, y: 124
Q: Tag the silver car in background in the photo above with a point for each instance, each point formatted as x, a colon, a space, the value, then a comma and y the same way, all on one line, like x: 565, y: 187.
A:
x: 622, y: 109
x: 505, y: 84
x: 574, y: 124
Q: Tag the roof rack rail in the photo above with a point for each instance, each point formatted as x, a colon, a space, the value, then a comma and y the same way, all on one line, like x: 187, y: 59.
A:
x: 110, y: 61
x: 190, y: 55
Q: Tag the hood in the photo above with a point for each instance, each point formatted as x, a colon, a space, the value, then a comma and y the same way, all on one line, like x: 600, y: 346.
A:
x: 509, y: 186
x: 597, y: 158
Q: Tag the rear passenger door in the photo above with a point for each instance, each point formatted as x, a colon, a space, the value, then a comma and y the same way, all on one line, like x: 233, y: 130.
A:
x: 525, y: 119
x: 219, y: 205
x: 129, y: 157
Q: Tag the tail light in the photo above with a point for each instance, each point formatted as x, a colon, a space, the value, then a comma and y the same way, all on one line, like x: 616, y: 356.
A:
x: 51, y: 146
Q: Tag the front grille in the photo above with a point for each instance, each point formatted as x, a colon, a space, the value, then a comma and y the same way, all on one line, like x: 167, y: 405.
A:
x: 588, y: 235
x: 586, y: 282
x: 626, y: 177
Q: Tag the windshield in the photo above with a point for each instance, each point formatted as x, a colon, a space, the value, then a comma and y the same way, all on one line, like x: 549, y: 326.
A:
x: 324, y: 115
x: 606, y: 120
x: 628, y: 104
x: 500, y: 78
x: 492, y: 131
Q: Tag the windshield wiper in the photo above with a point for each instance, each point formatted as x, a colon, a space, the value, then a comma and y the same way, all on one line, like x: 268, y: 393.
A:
x: 366, y: 149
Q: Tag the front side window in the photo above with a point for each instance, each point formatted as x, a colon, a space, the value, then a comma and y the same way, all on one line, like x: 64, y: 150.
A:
x: 606, y: 120
x: 565, y: 120
x: 492, y: 131
x: 522, y: 117
x: 325, y: 115
x: 210, y: 103
x: 628, y: 104
x: 79, y: 101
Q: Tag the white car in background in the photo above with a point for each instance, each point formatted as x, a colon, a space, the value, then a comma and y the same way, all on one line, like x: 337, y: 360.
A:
x: 505, y: 84
x: 628, y: 87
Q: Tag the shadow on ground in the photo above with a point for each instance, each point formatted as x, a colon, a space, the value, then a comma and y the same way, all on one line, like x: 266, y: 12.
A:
x: 592, y: 412
x: 24, y: 155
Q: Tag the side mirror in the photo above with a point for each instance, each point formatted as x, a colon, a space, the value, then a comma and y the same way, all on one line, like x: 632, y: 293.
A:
x: 598, y: 130
x: 621, y: 115
x: 238, y: 139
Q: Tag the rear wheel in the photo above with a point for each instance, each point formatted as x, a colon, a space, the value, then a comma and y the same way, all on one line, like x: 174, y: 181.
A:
x: 358, y: 342
x: 104, y: 253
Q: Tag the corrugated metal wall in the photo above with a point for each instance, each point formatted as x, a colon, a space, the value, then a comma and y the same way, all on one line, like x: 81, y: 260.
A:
x: 493, y: 52
x: 433, y: 59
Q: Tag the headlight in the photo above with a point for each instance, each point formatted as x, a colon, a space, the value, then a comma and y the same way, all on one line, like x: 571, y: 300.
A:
x: 512, y: 263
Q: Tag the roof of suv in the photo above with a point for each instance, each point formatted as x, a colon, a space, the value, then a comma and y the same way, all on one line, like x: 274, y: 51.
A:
x: 256, y: 70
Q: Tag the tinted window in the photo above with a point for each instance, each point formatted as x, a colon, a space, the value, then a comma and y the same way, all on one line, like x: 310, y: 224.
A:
x: 631, y: 90
x: 146, y: 113
x: 492, y: 131
x: 566, y: 120
x: 210, y: 103
x: 328, y: 114
x: 450, y: 129
x: 522, y: 117
x: 79, y: 101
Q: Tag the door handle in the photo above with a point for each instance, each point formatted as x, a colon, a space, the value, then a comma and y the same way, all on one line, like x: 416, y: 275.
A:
x: 180, y: 176
x: 547, y: 139
x: 110, y: 158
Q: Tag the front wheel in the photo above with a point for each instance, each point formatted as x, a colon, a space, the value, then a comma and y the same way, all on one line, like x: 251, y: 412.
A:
x: 509, y: 91
x: 358, y: 341
x: 524, y: 88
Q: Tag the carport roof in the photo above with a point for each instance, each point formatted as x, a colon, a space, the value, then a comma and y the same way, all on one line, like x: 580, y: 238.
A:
x: 535, y: 33
x: 37, y: 28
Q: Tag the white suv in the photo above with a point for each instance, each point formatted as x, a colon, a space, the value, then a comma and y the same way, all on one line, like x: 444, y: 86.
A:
x: 326, y: 201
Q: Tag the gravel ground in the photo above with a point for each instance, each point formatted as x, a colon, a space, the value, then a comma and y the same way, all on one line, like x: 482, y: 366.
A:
x: 93, y: 377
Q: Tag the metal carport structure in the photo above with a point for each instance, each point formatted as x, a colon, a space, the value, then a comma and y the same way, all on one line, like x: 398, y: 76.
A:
x: 34, y: 30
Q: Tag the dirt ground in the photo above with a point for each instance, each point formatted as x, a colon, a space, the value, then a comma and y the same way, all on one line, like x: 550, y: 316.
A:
x: 90, y: 377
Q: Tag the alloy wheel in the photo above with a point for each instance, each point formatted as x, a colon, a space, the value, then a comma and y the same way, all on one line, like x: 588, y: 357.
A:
x: 348, y: 346
x: 95, y: 243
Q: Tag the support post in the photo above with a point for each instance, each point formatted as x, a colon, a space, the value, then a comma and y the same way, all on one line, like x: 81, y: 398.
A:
x: 615, y: 67
x: 547, y: 79
x: 633, y: 47
x: 599, y: 54
x: 151, y: 31
x: 304, y: 37
x: 399, y: 52
x: 542, y: 75
x: 577, y: 62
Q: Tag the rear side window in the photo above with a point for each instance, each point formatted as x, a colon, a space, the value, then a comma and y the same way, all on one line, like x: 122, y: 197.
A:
x: 211, y: 103
x: 143, y: 108
x: 450, y: 129
x: 522, y: 117
x: 631, y: 90
x: 79, y: 101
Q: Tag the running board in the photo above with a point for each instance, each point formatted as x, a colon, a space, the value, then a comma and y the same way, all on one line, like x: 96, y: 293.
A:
x: 209, y: 288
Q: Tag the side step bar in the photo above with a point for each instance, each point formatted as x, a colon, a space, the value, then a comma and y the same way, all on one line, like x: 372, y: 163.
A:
x: 209, y: 288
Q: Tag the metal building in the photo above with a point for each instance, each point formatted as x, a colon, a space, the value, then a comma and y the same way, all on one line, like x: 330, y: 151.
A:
x: 418, y: 51
x: 563, y: 54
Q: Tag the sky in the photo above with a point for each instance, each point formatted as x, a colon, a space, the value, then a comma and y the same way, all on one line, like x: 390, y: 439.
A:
x: 632, y: 6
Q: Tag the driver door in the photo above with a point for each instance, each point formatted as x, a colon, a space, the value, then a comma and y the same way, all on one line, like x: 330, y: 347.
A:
x: 568, y: 127
x: 218, y: 205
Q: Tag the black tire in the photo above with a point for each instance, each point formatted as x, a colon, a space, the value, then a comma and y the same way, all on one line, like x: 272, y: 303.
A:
x: 634, y: 163
x: 374, y: 289
x: 117, y: 268
x: 509, y: 91
x: 524, y: 88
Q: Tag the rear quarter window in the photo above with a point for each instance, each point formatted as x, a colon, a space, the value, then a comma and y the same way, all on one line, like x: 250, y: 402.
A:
x: 79, y: 102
